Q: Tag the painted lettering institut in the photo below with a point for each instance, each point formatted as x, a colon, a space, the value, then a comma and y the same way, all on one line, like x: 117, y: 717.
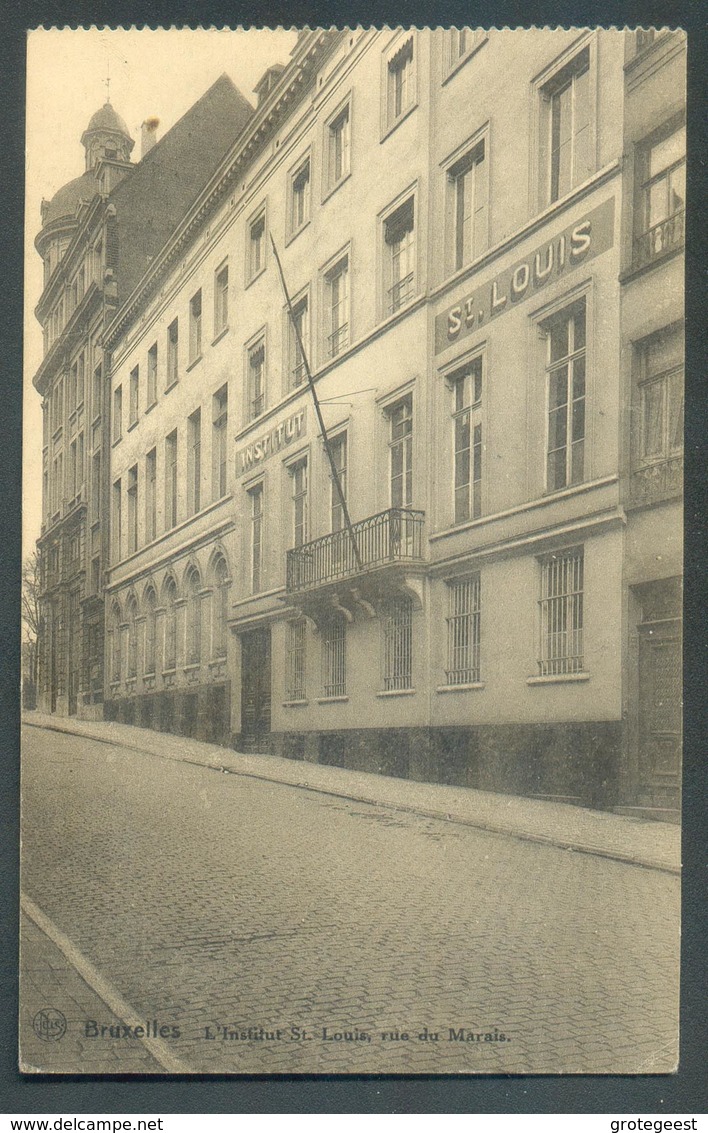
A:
x: 482, y: 236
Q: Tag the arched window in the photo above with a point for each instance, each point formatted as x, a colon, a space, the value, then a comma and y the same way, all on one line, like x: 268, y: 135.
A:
x: 115, y: 642
x: 220, y: 607
x: 170, y: 624
x: 132, y: 616
x: 194, y: 617
x: 150, y: 604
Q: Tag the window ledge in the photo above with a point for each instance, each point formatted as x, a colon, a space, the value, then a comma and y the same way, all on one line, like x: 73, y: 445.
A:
x: 116, y: 441
x: 559, y: 678
x: 300, y: 703
x: 332, y: 699
x: 193, y: 363
x: 149, y: 408
x: 473, y: 685
x: 333, y: 188
x: 171, y: 385
x: 459, y: 63
x: 169, y: 672
x: 257, y: 275
x: 218, y: 337
x: 389, y: 692
x: 132, y: 425
x: 295, y: 232
x: 391, y: 126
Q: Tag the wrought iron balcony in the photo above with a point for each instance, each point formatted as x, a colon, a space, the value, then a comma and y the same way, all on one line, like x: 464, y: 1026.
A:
x: 392, y: 536
x: 660, y: 239
x: 658, y: 481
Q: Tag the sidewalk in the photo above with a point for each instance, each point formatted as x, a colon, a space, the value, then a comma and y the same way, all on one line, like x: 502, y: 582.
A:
x: 642, y: 842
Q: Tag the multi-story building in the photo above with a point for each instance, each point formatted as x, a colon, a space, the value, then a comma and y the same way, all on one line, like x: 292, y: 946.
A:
x: 465, y: 599
x: 98, y: 235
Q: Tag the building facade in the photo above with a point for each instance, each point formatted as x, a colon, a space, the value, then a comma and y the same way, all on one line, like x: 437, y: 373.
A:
x: 486, y: 280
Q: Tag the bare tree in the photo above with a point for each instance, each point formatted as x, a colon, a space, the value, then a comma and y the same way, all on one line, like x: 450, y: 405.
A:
x: 30, y: 620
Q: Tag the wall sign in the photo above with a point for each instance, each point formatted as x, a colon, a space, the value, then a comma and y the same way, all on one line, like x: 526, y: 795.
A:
x: 289, y: 430
x: 575, y: 245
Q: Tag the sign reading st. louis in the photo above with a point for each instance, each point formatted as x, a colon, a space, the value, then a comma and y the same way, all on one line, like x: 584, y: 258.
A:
x: 575, y: 245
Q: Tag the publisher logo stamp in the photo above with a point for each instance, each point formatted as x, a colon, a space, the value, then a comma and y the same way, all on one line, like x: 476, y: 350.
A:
x: 49, y: 1025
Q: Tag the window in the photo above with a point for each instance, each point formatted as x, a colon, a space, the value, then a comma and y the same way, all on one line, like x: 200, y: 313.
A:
x: 132, y: 617
x: 220, y: 411
x: 194, y: 618
x: 662, y: 197
x: 644, y: 37
x: 336, y: 288
x: 220, y: 607
x: 562, y: 613
x: 296, y: 660
x: 401, y: 453
x: 566, y: 133
x: 657, y: 462
x: 256, y: 245
x: 96, y: 486
x: 134, y: 394
x: 72, y: 470
x: 298, y: 479
x: 298, y: 332
x: 132, y: 509
x: 221, y: 299
x: 151, y: 495
x: 194, y: 462
x: 117, y: 413
x: 152, y: 375
x: 96, y: 393
x: 299, y: 213
x: 172, y: 353
x: 463, y: 632
x: 171, y: 480
x: 459, y: 43
x: 79, y: 463
x: 170, y: 593
x: 115, y: 651
x: 565, y: 368
x: 117, y: 502
x: 400, y: 80
x: 195, y: 327
x: 256, y: 379
x: 399, y: 256
x: 80, y: 380
x: 337, y: 146
x: 256, y: 497
x: 338, y: 447
x: 467, y: 423
x: 150, y: 632
x: 467, y: 206
x: 397, y: 630
x: 71, y: 388
x: 334, y: 658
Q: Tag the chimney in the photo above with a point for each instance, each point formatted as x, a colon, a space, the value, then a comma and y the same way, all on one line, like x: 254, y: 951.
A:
x: 148, y: 135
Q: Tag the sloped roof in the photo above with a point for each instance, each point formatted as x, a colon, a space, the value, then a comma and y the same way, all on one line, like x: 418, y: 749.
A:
x: 65, y: 200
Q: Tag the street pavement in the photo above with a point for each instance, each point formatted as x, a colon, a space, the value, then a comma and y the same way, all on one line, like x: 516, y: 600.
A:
x: 267, y: 928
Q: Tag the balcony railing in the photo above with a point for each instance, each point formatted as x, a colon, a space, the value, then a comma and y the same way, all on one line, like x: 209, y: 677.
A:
x: 392, y: 536
x: 659, y: 239
x: 400, y: 293
x: 657, y: 481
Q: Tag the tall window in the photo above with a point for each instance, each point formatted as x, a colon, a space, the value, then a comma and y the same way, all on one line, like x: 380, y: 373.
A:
x: 566, y: 127
x: 300, y: 196
x: 117, y: 413
x: 116, y: 644
x: 468, y: 197
x: 170, y: 594
x: 150, y: 628
x: 194, y: 618
x: 401, y: 450
x: 194, y: 461
x: 171, y: 480
x: 298, y: 479
x: 256, y: 245
x: 565, y: 367
x: 134, y: 394
x: 96, y: 397
x: 151, y: 495
x: 256, y: 498
x: 80, y: 379
x: 296, y: 658
x: 172, y: 354
x: 460, y: 42
x: 221, y: 299
x: 399, y: 239
x: 117, y: 520
x: 132, y: 509
x: 562, y: 613
x: 657, y: 464
x: 336, y: 283
x: 132, y: 617
x: 663, y: 197
x: 220, y: 608
x: 96, y: 486
x: 219, y: 442
x: 338, y: 142
x: 467, y: 422
x: 152, y: 375
x: 256, y: 379
x: 301, y: 320
x: 195, y: 326
x: 334, y: 657
x: 463, y: 632
x: 398, y: 644
x: 400, y: 82
x: 338, y: 447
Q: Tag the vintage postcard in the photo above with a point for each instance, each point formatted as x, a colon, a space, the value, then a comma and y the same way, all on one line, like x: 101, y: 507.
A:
x: 353, y: 551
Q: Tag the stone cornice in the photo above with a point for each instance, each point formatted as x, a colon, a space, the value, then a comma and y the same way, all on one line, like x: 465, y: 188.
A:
x: 65, y: 342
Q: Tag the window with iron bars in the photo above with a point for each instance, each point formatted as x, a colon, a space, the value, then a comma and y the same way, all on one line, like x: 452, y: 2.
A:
x: 334, y: 658
x: 296, y: 647
x: 399, y: 238
x: 398, y: 644
x: 561, y: 606
x: 463, y: 631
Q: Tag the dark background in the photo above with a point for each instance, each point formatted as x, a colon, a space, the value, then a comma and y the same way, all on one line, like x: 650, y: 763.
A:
x: 683, y: 1092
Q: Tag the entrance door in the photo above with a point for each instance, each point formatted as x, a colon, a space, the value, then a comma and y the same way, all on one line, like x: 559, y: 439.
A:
x: 660, y: 709
x: 255, y: 687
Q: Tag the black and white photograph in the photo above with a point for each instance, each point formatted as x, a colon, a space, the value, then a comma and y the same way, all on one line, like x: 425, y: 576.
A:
x: 352, y: 551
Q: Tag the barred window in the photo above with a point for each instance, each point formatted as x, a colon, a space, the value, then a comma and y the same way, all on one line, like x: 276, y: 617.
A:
x: 170, y: 624
x: 334, y: 658
x: 296, y: 646
x: 150, y: 604
x: 133, y: 638
x: 463, y: 632
x: 562, y: 613
x: 398, y: 644
x: 115, y: 633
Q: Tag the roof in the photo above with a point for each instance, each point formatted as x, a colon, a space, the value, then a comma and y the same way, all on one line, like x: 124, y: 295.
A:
x: 65, y: 201
x: 107, y: 119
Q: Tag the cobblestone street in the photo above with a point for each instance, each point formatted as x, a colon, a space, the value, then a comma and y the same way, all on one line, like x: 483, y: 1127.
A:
x: 218, y: 904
